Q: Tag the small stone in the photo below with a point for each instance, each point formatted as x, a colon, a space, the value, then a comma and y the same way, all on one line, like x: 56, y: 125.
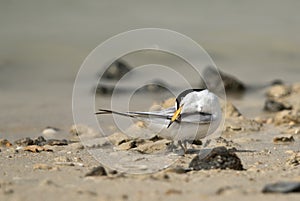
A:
x: 127, y: 145
x: 287, y: 116
x: 50, y: 132
x: 36, y: 148
x: 68, y: 164
x: 154, y: 147
x: 282, y: 187
x: 294, y: 160
x: 275, y: 106
x: 214, y: 78
x: 116, y: 70
x: 173, y: 191
x: 62, y: 159
x: 279, y: 91
x: 40, y: 141
x: 118, y: 138
x: 55, y: 142
x: 168, y: 103
x: 217, y: 158
x: 231, y: 110
x: 5, y: 143
x: 283, y: 139
x: 197, y: 142
x: 97, y: 171
x: 24, y: 142
x: 154, y: 86
x: 83, y: 131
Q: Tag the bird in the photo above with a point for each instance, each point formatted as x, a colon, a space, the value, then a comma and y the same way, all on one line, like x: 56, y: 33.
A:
x: 195, y: 115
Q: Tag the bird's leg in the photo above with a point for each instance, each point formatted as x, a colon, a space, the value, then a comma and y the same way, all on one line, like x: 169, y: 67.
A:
x: 171, y: 146
x: 183, y: 146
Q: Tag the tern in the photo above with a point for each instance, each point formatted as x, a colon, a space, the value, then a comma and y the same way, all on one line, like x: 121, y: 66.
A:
x: 195, y: 115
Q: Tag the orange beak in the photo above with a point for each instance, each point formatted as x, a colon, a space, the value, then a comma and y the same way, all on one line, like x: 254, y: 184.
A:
x: 175, y: 115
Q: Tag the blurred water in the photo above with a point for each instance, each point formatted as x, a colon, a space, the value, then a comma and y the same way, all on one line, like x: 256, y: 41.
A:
x: 42, y: 45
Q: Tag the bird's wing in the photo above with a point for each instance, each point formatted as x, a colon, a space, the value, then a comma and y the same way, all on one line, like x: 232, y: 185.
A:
x: 163, y: 114
x: 196, y: 117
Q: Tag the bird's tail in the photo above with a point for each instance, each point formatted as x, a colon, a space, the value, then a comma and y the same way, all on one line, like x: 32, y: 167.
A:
x: 104, y: 111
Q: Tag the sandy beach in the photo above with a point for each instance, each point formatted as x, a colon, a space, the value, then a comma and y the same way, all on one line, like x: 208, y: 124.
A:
x: 43, y: 156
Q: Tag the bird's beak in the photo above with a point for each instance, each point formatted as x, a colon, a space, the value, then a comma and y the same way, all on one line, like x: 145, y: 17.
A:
x: 175, y: 115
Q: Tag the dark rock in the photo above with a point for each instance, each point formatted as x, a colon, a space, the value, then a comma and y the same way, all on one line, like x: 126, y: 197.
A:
x: 24, y: 141
x: 116, y: 70
x: 231, y: 84
x: 282, y: 187
x: 97, y: 171
x: 277, y: 82
x: 56, y: 142
x: 154, y: 86
x: 197, y: 142
x: 155, y: 138
x: 283, y: 139
x: 40, y: 141
x: 5, y: 143
x: 104, y: 90
x: 275, y: 106
x: 217, y: 158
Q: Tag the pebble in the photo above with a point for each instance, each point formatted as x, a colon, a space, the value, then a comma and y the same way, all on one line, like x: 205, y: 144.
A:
x: 24, y: 141
x: 116, y: 70
x: 170, y: 102
x: 287, y: 116
x: 154, y: 147
x: 241, y: 124
x: 275, y: 106
x: 62, y: 159
x: 283, y: 139
x: 40, y: 141
x: 83, y: 131
x: 294, y: 159
x: 5, y: 143
x: 231, y: 110
x: 278, y: 91
x: 173, y: 191
x: 231, y: 83
x: 127, y: 145
x: 118, y: 138
x: 224, y: 142
x: 36, y: 148
x: 97, y: 171
x: 55, y: 142
x: 282, y: 187
x: 50, y: 131
x: 217, y: 158
x: 155, y: 86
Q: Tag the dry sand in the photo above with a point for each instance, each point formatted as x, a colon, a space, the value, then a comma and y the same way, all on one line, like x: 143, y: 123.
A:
x: 268, y: 147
